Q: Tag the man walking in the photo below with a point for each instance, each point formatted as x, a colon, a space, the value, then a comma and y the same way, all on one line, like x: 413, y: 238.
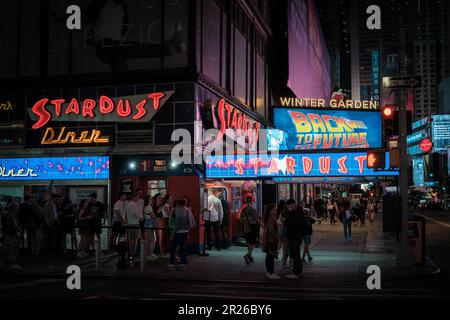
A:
x: 214, y: 219
x: 295, y: 231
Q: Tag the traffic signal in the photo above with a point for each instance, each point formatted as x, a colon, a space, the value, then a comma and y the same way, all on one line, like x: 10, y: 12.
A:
x: 376, y: 160
x: 388, y: 122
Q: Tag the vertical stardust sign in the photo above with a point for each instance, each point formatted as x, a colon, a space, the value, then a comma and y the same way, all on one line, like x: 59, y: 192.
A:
x: 322, y: 129
x: 350, y: 164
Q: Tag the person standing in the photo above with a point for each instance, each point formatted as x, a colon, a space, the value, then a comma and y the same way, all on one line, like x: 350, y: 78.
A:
x: 97, y: 211
x: 51, y: 216
x: 271, y: 239
x: 318, y: 207
x: 284, y: 246
x: 225, y: 220
x: 371, y: 210
x: 182, y: 224
x: 67, y: 223
x: 165, y: 234
x: 149, y: 225
x: 332, y: 210
x: 37, y: 225
x: 309, y: 221
x: 213, y: 219
x: 347, y: 220
x: 25, y: 215
x: 84, y: 225
x: 11, y: 232
x: 251, y: 224
x: 295, y: 230
x: 119, y: 218
x: 133, y: 217
x: 158, y: 205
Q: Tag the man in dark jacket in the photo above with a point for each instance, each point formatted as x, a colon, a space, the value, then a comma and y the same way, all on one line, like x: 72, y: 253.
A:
x: 295, y: 231
x: 225, y: 220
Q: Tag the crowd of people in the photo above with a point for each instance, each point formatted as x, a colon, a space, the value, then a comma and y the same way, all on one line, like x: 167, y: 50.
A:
x: 286, y: 226
x: 42, y: 226
x: 158, y: 220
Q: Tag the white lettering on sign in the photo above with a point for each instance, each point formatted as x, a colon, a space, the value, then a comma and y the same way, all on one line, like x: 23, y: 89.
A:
x: 374, y: 21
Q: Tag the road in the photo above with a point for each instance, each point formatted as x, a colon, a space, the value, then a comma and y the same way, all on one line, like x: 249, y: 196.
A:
x: 333, y: 275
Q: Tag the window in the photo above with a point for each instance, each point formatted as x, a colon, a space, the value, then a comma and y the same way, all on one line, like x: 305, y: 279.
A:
x: 156, y: 186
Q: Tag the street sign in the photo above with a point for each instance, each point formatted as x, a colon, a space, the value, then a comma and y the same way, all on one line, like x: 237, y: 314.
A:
x: 401, y: 82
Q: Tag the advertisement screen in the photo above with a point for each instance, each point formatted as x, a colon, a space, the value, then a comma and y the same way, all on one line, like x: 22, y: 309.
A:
x: 418, y: 172
x: 308, y: 129
x: 440, y: 127
x: 63, y: 168
x: 350, y: 164
x: 308, y: 54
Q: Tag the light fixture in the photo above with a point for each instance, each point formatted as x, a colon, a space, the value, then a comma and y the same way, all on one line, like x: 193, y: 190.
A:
x: 132, y: 165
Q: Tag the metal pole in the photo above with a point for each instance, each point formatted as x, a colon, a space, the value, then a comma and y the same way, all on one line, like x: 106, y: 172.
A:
x: 142, y: 254
x: 98, y: 254
x: 404, y: 252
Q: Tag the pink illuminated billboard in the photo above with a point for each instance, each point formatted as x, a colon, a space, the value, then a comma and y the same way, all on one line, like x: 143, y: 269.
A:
x: 309, y: 60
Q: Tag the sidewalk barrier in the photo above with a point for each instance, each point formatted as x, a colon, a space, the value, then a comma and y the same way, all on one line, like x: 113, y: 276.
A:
x: 98, y: 254
x: 142, y: 255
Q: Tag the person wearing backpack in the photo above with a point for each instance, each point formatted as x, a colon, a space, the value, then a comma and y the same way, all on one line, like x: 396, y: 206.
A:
x: 251, y: 225
x: 182, y: 224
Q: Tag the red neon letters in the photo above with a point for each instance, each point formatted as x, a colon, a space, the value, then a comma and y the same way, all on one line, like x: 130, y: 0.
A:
x: 88, y: 108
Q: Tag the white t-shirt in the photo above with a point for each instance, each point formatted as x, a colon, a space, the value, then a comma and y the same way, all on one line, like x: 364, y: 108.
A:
x: 131, y: 213
x: 215, y: 207
x: 120, y: 207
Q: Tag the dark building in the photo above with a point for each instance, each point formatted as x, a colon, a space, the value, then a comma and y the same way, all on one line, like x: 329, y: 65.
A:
x: 179, y: 58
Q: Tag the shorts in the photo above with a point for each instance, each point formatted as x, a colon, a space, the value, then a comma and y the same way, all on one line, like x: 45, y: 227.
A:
x: 250, y: 238
x: 307, y: 239
x: 134, y: 233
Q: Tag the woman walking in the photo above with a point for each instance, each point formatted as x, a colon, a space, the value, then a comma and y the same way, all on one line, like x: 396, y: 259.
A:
x: 271, y: 239
x: 309, y: 221
x: 371, y: 210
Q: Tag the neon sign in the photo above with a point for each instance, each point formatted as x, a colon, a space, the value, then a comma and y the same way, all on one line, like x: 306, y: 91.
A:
x: 352, y: 164
x: 71, y: 137
x: 232, y: 118
x: 6, y: 106
x: 106, y: 109
x: 328, y: 129
x: 58, y: 168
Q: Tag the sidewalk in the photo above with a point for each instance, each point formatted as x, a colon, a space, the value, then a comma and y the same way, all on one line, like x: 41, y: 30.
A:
x: 334, y: 261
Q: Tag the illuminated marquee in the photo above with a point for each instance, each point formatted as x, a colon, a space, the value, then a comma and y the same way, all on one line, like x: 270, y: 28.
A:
x: 328, y: 129
x: 105, y: 109
x: 352, y: 164
x: 337, y: 103
x: 71, y: 137
x: 58, y: 168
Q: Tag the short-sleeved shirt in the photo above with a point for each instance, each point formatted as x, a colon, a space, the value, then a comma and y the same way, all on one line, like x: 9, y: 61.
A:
x: 248, y: 218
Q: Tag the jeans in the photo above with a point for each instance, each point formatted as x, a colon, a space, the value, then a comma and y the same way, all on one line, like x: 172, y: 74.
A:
x: 215, y: 225
x: 270, y: 263
x: 294, y: 251
x: 347, y: 229
x: 179, y: 239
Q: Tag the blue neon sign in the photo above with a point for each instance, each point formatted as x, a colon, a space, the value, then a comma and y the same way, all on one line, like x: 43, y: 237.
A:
x: 59, y: 168
x: 308, y: 129
x: 351, y: 164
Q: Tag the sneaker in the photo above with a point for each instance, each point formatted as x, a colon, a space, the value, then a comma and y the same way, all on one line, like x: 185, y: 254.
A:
x: 152, y: 258
x: 182, y: 267
x: 247, y: 260
x: 272, y: 276
x: 251, y: 259
x: 171, y: 267
x: 16, y: 267
x: 292, y: 276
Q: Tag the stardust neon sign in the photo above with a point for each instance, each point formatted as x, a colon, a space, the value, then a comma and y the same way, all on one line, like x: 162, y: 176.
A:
x: 232, y: 118
x: 105, y: 109
x: 293, y: 165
